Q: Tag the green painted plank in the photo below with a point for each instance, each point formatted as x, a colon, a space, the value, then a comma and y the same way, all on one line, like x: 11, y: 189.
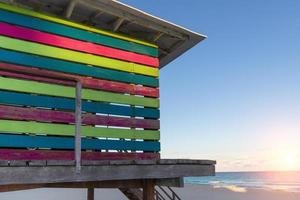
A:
x: 66, y: 91
x: 74, y: 56
x: 12, y: 126
x: 72, y: 24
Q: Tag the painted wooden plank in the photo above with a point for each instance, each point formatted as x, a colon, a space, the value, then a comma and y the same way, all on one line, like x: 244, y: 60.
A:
x: 44, y: 115
x: 72, y: 24
x: 26, y: 141
x: 74, y: 68
x: 35, y: 78
x: 22, y: 72
x: 72, y: 44
x: 13, y: 98
x: 18, y: 154
x: 52, y: 27
x: 66, y: 91
x: 19, y: 127
x: 75, y: 56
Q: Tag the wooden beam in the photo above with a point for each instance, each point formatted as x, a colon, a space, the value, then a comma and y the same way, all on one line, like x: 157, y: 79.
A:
x: 117, y: 24
x: 60, y: 174
x: 12, y: 188
x: 90, y: 194
x: 69, y: 10
x: 157, y: 36
x: 135, y: 183
x: 78, y: 127
x: 95, y: 14
x: 148, y: 189
x: 98, y: 184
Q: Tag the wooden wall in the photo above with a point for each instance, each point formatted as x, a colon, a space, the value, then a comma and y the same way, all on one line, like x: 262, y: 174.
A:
x: 42, y: 57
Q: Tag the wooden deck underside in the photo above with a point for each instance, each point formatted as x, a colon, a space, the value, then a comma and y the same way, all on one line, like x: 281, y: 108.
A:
x: 50, y: 172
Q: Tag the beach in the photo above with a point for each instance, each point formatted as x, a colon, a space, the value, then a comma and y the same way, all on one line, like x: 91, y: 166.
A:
x: 208, y: 192
x: 189, y: 192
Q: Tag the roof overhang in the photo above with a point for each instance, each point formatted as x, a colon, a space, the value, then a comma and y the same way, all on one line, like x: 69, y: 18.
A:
x: 172, y: 40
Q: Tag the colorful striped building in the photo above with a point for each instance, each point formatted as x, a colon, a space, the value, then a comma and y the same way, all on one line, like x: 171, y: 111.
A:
x: 82, y: 79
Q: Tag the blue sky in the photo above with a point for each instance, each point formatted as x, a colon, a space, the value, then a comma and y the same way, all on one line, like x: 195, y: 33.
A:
x: 234, y: 97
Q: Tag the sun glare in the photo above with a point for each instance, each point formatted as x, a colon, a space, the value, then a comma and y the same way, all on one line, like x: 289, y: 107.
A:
x: 290, y: 161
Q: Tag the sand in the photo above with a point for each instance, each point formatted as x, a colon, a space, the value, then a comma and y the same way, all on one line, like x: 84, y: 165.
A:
x: 205, y: 192
x: 190, y: 192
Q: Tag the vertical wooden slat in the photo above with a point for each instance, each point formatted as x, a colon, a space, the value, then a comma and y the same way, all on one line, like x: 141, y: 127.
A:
x: 78, y: 127
x: 90, y: 194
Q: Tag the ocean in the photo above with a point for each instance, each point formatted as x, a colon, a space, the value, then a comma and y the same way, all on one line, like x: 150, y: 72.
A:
x: 240, y: 181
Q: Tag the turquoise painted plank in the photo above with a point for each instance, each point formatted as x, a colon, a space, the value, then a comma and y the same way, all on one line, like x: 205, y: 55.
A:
x: 74, y: 68
x: 59, y: 29
x: 25, y: 141
x: 13, y: 98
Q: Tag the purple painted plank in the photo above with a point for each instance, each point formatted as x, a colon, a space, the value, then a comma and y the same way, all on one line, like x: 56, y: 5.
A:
x: 41, y: 115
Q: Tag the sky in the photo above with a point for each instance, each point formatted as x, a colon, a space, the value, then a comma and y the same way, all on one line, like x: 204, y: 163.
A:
x: 234, y: 97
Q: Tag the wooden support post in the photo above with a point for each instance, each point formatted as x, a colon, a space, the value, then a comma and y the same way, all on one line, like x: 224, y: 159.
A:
x: 148, y: 189
x: 90, y: 194
x: 78, y: 127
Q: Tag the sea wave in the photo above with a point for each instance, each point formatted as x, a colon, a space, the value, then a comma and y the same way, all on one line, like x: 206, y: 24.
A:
x: 242, y: 181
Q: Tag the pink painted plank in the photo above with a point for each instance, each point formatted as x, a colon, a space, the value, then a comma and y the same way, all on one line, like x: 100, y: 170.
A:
x: 20, y: 154
x: 68, y: 43
x: 67, y: 79
x: 41, y: 115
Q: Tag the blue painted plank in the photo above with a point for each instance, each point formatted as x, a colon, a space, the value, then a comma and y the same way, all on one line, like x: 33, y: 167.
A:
x: 74, y: 68
x: 13, y: 98
x: 47, y: 26
x: 25, y: 141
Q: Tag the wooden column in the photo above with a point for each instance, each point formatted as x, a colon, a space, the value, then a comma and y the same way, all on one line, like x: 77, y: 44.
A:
x: 90, y: 194
x: 78, y: 127
x: 148, y: 189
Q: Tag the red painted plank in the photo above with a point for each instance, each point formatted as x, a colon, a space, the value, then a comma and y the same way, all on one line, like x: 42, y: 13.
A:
x: 20, y: 154
x: 41, y: 115
x: 66, y: 79
x: 68, y: 43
